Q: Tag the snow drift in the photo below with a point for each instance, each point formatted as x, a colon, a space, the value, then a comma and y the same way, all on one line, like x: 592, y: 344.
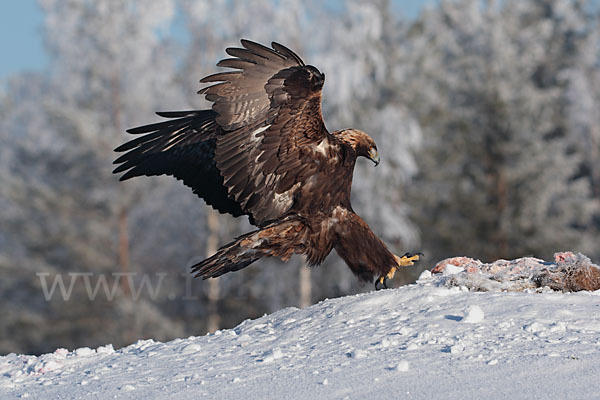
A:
x: 425, y: 340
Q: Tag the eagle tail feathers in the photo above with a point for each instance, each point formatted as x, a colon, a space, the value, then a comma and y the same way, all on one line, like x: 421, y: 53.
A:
x: 280, y: 239
x: 231, y: 257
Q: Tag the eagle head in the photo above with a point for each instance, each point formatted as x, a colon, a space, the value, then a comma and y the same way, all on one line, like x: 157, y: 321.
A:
x: 316, y: 77
x: 362, y: 144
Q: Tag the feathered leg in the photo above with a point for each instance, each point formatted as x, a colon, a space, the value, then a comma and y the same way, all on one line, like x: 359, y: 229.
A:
x: 281, y: 239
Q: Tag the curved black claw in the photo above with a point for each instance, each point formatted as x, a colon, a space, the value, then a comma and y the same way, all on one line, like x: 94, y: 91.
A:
x: 382, y: 280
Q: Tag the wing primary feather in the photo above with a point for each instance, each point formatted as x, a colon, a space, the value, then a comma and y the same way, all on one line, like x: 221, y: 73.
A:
x: 221, y: 76
x: 284, y: 50
x: 180, y: 114
x: 152, y: 127
x: 135, y: 142
x: 236, y: 63
x: 259, y: 49
x: 245, y: 54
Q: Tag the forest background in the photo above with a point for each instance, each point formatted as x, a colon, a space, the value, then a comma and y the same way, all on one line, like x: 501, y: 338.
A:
x: 486, y: 114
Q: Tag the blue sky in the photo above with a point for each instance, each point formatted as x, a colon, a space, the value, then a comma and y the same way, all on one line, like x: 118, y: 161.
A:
x: 22, y: 42
x: 21, y: 38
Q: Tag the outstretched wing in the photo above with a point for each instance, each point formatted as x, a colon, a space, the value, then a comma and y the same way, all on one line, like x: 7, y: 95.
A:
x: 270, y: 111
x: 255, y: 148
x: 184, y: 148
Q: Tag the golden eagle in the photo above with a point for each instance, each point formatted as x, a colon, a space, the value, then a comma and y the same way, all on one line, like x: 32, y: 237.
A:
x: 263, y: 151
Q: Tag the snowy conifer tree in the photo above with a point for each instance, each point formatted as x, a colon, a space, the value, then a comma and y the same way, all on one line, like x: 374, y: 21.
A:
x: 498, y: 177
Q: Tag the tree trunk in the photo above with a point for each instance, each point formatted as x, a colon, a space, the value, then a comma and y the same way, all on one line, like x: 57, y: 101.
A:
x: 594, y: 158
x: 214, y: 289
x: 305, y: 285
x: 123, y: 234
x: 502, y: 203
x: 124, y: 250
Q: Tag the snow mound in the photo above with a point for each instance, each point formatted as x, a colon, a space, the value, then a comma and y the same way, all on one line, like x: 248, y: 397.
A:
x: 568, y: 273
x: 420, y: 341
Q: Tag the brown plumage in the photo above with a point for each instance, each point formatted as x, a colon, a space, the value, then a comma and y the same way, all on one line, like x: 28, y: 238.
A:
x: 263, y: 151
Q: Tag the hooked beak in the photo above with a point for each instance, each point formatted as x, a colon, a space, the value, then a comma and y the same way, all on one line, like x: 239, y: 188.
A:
x: 374, y: 156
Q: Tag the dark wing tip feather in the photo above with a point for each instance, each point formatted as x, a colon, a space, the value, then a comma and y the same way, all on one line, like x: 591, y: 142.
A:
x: 121, y: 148
x: 125, y: 176
x: 259, y: 49
x: 132, y: 173
x: 236, y: 63
x: 220, y: 76
x: 287, y: 52
x: 175, y: 114
x: 120, y: 160
x: 138, y: 129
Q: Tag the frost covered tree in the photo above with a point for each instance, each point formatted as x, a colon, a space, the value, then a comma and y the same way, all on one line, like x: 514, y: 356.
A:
x: 498, y: 171
x: 64, y: 210
x: 484, y: 114
x: 582, y: 100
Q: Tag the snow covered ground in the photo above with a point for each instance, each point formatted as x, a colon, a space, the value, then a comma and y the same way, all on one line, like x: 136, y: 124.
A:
x: 423, y: 341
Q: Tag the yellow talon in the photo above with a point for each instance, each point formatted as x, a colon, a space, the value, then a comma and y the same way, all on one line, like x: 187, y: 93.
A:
x: 389, y: 275
x: 382, y: 280
x: 408, y: 259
